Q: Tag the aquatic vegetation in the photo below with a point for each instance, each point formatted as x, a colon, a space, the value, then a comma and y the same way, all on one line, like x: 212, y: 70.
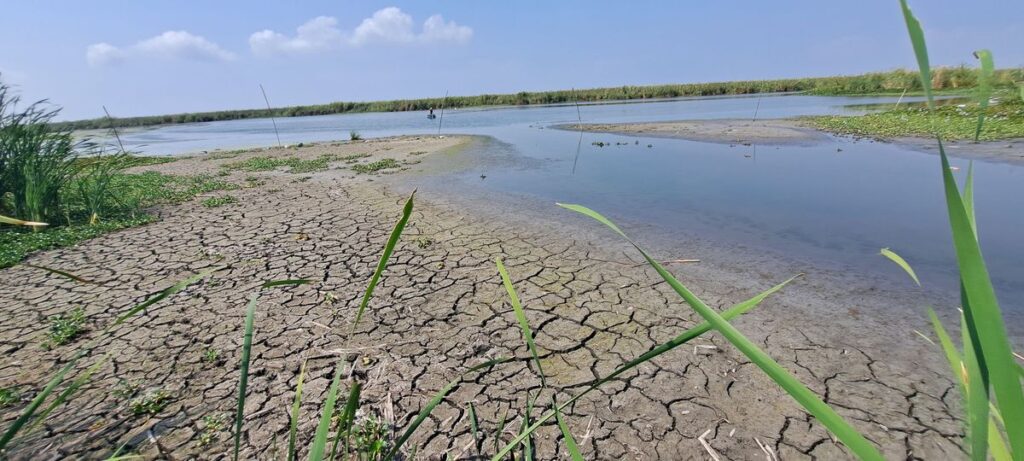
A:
x: 211, y: 427
x: 219, y: 201
x: 354, y: 135
x: 9, y: 396
x: 1001, y: 121
x: 151, y: 403
x: 295, y: 165
x: 373, y: 167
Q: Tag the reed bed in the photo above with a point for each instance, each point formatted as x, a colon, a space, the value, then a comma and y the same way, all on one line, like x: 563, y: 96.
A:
x: 897, y: 81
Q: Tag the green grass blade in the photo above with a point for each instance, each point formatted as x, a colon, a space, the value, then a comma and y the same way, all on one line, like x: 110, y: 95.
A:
x: 956, y: 363
x: 996, y: 444
x: 316, y: 450
x: 243, y: 379
x: 570, y: 442
x: 396, y: 233
x: 500, y: 429
x: 683, y: 338
x: 983, y: 314
x: 435, y: 401
x: 296, y: 407
x: 67, y: 393
x: 528, y: 441
x: 920, y: 51
x: 60, y: 273
x: 969, y: 197
x: 474, y: 426
x: 524, y: 325
x: 348, y: 416
x: 173, y: 289
x: 804, y: 396
x: 984, y: 89
x: 902, y: 263
x: 977, y: 398
x: 290, y: 283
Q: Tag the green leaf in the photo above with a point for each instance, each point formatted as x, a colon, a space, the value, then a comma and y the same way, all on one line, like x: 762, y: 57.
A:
x: 66, y: 395
x: 396, y: 233
x: 296, y: 407
x: 243, y: 380
x: 434, y: 402
x: 920, y: 51
x: 279, y: 283
x: 984, y: 316
x: 60, y: 273
x: 524, y: 325
x: 977, y: 401
x: 474, y: 426
x: 316, y: 450
x: 528, y: 441
x: 348, y: 416
x: 804, y: 396
x: 570, y: 442
x: 500, y: 429
x: 683, y: 338
x: 984, y: 91
x: 902, y: 263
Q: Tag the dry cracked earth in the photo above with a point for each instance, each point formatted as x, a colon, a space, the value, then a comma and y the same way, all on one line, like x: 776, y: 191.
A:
x: 440, y: 308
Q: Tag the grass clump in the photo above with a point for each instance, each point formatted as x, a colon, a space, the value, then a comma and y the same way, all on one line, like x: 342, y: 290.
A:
x: 150, y: 404
x: 65, y: 327
x: 294, y: 164
x: 9, y: 396
x: 219, y: 201
x: 373, y: 167
x: 211, y: 428
x: 954, y: 122
x: 211, y: 355
x: 354, y: 135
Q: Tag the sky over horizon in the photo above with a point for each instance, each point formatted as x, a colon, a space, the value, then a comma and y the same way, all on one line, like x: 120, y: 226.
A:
x: 164, y: 56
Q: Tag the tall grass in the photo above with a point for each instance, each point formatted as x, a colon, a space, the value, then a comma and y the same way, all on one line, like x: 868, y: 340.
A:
x: 987, y: 374
x: 36, y: 159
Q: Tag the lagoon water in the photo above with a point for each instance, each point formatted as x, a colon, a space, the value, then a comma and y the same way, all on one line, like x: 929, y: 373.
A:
x: 835, y: 203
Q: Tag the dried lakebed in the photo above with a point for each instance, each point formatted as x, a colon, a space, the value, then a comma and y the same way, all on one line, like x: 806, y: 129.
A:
x: 441, y: 308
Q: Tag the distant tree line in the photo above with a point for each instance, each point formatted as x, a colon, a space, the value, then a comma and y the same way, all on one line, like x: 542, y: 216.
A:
x: 943, y: 78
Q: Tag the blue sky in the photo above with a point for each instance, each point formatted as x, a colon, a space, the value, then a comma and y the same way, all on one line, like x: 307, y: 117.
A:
x: 156, y: 57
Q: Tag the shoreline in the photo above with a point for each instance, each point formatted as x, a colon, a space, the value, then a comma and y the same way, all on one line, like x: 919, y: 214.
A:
x: 798, y: 132
x: 440, y: 307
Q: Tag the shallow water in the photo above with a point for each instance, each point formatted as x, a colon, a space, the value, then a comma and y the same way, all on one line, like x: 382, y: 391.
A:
x: 836, y: 203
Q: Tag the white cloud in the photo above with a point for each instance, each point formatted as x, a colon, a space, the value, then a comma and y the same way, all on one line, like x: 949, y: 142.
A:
x: 436, y: 30
x: 388, y: 25
x: 102, y: 54
x: 319, y: 33
x: 173, y: 44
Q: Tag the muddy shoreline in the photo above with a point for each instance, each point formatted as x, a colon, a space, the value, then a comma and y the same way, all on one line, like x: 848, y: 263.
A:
x: 797, y: 132
x: 441, y: 308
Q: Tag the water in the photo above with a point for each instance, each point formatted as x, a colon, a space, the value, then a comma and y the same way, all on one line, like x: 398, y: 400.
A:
x: 813, y: 203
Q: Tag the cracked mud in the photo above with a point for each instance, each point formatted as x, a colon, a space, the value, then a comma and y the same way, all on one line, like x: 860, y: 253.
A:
x: 439, y: 309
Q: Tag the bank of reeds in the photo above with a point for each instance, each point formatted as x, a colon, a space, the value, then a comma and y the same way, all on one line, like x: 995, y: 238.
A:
x: 944, y: 78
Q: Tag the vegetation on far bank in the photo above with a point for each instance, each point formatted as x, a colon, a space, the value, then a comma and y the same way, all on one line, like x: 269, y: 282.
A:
x: 945, y: 78
x: 1003, y: 120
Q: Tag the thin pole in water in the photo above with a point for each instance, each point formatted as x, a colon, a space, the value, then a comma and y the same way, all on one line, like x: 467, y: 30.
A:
x: 579, y: 124
x: 113, y: 128
x: 757, y: 108
x: 271, y: 112
x: 900, y: 99
x: 441, y: 118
